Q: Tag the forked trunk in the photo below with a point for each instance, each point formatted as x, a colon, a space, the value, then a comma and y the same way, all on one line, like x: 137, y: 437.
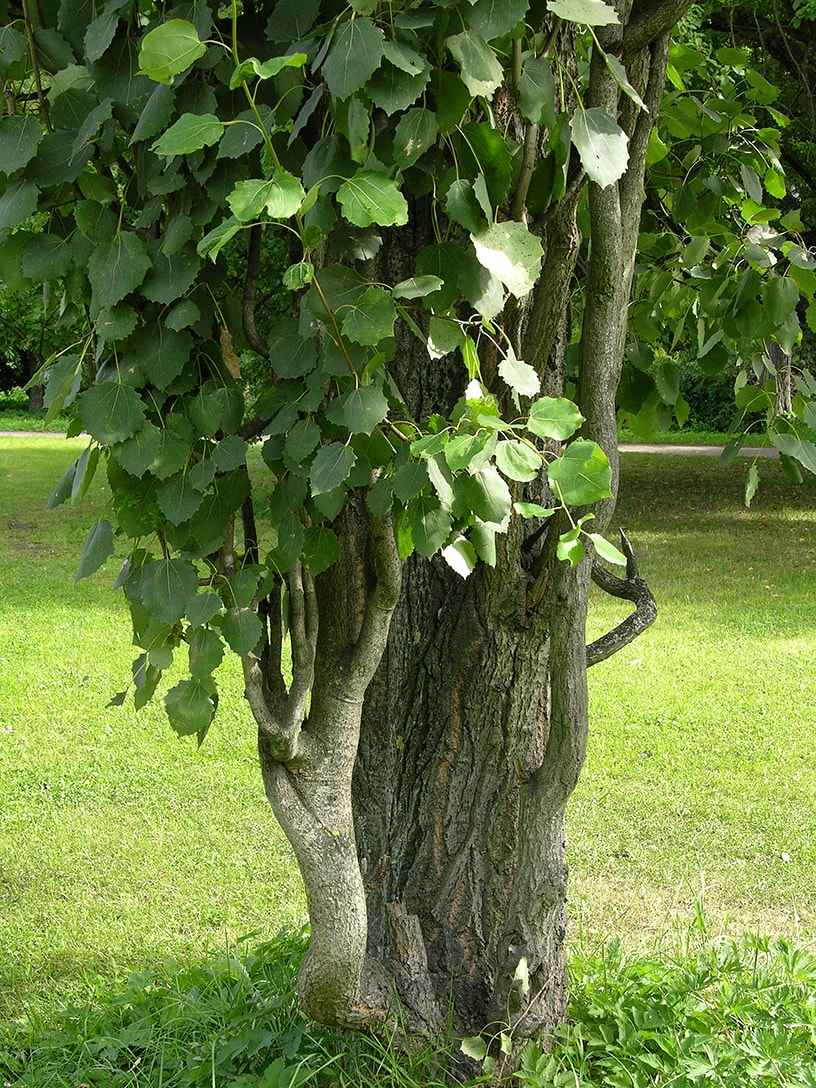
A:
x: 474, y: 736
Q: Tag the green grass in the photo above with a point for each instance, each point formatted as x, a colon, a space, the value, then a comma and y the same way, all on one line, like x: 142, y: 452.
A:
x: 15, y: 416
x: 702, y: 752
x: 131, y: 863
x: 119, y: 844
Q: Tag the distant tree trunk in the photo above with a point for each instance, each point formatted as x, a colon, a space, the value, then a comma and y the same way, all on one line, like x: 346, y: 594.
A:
x: 36, y: 393
x: 779, y: 362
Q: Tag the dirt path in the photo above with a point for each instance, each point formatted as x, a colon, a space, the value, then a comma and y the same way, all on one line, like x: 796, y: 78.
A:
x: 695, y: 451
x: 624, y: 447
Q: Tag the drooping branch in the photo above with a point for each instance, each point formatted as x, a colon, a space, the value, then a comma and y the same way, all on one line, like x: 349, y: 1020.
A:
x: 631, y: 588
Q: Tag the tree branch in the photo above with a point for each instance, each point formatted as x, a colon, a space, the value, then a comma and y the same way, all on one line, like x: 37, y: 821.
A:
x: 280, y: 720
x: 650, y: 19
x: 632, y: 588
x: 379, y: 606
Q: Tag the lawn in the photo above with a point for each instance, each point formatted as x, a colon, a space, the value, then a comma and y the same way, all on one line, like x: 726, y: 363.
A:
x: 124, y: 849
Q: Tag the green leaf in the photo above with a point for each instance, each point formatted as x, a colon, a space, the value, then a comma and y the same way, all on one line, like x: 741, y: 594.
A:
x: 321, y: 548
x: 581, y: 474
x: 371, y: 319
x: 460, y: 556
x: 536, y: 91
x: 98, y: 548
x: 289, y: 536
x: 430, y: 524
x: 751, y: 484
x: 281, y: 197
x: 463, y: 207
x: 533, y: 510
x: 570, y: 547
x: 474, y: 1047
x: 554, y: 417
x: 606, y: 550
x: 177, y: 498
x: 487, y: 496
x: 493, y: 18
x: 167, y: 588
x: 117, y: 268
x: 291, y: 354
x: 781, y: 297
x: 18, y: 202
x: 444, y: 336
x: 242, y: 629
x: 360, y: 410
x: 213, y: 242
x: 190, y: 133
x: 372, y: 197
x: 409, y: 480
x: 415, y: 133
x: 111, y: 412
x: 518, y: 461
x: 355, y: 54
x: 622, y: 80
x: 480, y: 69
x: 62, y: 491
x: 601, y: 144
x: 169, y: 50
x: 302, y: 440
x: 252, y: 67
x: 206, y: 652
x: 19, y: 137
x: 46, y: 257
x: 519, y: 375
x: 393, y: 89
x: 588, y: 12
x: 800, y: 449
x: 331, y: 467
x: 511, y: 253
x: 190, y: 706
x: 202, y: 608
x: 416, y: 287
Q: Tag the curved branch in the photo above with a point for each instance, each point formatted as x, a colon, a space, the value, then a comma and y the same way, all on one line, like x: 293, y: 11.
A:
x: 632, y: 588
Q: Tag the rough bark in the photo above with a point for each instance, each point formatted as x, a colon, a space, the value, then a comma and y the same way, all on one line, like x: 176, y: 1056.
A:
x: 474, y: 729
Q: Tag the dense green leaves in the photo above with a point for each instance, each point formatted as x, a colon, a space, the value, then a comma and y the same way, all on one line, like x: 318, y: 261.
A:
x: 224, y: 201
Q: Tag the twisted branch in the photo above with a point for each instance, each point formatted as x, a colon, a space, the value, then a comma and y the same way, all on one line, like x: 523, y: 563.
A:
x: 631, y: 588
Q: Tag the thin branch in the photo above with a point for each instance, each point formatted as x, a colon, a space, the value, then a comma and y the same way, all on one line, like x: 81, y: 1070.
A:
x: 303, y: 625
x: 632, y: 588
x: 528, y: 165
x: 380, y: 604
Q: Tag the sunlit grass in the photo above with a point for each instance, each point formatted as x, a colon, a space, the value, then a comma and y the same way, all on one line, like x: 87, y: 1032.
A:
x: 702, y: 756
x: 121, y: 846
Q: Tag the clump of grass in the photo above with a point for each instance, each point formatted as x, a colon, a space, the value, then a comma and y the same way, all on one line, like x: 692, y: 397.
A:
x: 721, y: 1012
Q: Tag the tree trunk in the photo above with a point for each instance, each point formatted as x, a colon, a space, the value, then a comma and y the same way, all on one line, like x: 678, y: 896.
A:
x: 474, y: 729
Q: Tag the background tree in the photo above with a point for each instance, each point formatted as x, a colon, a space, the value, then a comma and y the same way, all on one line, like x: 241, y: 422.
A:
x: 429, y: 166
x: 725, y: 266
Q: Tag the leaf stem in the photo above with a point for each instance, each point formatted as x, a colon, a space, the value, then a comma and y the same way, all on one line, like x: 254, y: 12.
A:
x: 336, y: 329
